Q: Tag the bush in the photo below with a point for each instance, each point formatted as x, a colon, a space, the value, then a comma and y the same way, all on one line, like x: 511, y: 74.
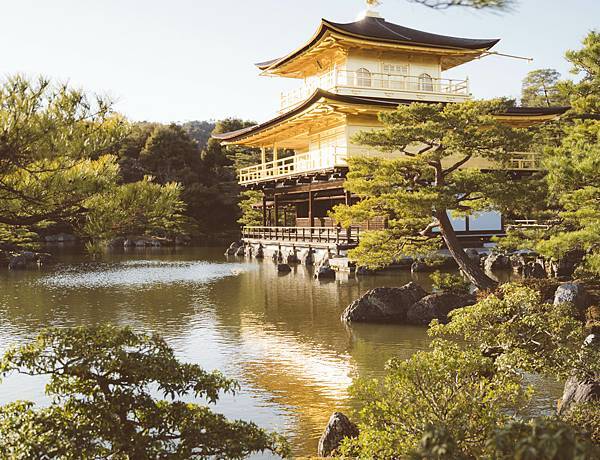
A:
x: 585, y: 417
x: 457, y: 390
x: 447, y: 282
x: 118, y: 394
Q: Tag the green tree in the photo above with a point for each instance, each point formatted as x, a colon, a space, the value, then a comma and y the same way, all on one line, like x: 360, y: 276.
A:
x: 418, y: 191
x: 540, y: 88
x: 523, y: 332
x: 458, y: 390
x: 573, y: 177
x: 543, y: 438
x: 103, y: 381
x: 55, y: 155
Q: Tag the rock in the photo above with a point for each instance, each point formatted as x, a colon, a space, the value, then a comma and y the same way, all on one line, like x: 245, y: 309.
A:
x: 473, y: 254
x: 284, y: 268
x: 578, y: 391
x: 128, y: 243
x: 116, y: 242
x: 240, y: 251
x: 436, y: 306
x: 43, y: 258
x: 534, y: 270
x: 496, y: 261
x: 231, y: 250
x: 568, y: 263
x: 338, y: 428
x: 277, y: 256
x: 592, y: 340
x: 292, y: 258
x: 574, y: 293
x: 518, y: 263
x: 260, y: 252
x: 182, y: 240
x: 388, y: 304
x: 419, y: 266
x: 307, y: 257
x: 324, y: 270
x: 364, y: 271
x: 18, y: 262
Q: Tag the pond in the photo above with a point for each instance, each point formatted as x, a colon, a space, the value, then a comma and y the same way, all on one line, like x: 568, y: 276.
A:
x: 280, y: 336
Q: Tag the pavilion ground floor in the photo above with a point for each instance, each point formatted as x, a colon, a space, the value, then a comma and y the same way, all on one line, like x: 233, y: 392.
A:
x: 297, y: 214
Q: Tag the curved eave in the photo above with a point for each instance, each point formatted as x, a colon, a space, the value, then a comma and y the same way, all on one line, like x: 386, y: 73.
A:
x: 471, y: 46
x: 235, y: 137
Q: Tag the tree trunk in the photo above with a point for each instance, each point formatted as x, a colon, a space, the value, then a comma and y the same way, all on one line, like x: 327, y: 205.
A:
x: 469, y: 267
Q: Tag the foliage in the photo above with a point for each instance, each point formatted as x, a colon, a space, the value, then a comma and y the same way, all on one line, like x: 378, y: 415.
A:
x: 432, y: 177
x: 540, y: 88
x: 456, y: 389
x: 543, y: 438
x: 55, y: 157
x: 138, y: 208
x: 251, y: 215
x: 102, y: 381
x: 448, y: 282
x: 585, y: 417
x: 186, y: 154
x: 523, y: 332
x: 573, y: 178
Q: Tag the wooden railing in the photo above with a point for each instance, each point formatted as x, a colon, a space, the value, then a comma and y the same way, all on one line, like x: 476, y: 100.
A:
x: 330, y: 235
x: 525, y: 161
x: 339, y: 79
x: 317, y: 160
x: 333, y: 157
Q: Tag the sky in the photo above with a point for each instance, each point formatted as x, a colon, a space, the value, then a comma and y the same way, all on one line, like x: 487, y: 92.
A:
x: 181, y: 60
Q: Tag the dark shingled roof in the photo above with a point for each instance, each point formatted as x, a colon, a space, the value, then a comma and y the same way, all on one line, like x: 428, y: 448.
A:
x: 378, y: 29
x: 365, y: 100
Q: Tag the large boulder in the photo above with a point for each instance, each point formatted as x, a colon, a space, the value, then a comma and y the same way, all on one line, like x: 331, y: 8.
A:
x: 338, y: 428
x: 436, y: 306
x: 578, y: 391
x: 240, y: 251
x: 496, y: 261
x: 573, y: 293
x: 384, y: 304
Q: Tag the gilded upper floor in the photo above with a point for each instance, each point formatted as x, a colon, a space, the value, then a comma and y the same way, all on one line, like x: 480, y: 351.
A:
x: 376, y: 58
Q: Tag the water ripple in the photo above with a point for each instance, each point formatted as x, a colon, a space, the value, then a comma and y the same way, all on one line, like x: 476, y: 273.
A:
x: 141, y: 273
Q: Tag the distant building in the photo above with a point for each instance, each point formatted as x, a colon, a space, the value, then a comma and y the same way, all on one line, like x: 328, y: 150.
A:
x: 350, y: 73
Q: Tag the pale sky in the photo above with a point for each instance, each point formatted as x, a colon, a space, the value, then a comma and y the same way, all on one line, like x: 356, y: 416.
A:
x: 181, y: 60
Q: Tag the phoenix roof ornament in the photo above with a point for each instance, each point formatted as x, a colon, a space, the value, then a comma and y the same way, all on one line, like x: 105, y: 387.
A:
x: 370, y: 10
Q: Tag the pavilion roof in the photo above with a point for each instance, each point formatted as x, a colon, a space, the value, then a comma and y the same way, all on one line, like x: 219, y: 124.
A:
x: 379, y: 31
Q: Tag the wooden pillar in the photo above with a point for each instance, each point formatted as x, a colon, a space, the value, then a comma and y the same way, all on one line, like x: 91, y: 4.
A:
x: 264, y: 210
x: 347, y: 198
x: 275, y: 211
x: 311, y: 209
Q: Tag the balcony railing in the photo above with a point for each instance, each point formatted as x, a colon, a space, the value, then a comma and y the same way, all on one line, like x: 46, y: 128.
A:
x: 335, y: 157
x: 313, y: 161
x: 326, y: 235
x: 390, y: 84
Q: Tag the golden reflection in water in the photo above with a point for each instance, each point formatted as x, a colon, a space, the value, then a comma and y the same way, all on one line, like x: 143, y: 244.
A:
x: 279, y: 335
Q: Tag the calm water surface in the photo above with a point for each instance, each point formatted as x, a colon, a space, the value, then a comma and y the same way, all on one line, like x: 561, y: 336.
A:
x: 280, y: 336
